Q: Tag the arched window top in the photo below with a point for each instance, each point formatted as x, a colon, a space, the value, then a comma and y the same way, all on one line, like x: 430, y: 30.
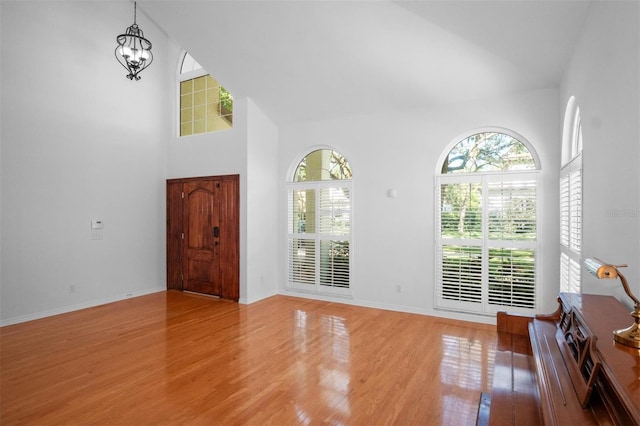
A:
x: 488, y: 151
x: 189, y: 64
x: 322, y: 164
x: 572, y: 132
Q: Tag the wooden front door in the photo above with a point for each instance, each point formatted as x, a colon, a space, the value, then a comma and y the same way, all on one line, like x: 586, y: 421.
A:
x: 203, y: 235
x: 201, y: 248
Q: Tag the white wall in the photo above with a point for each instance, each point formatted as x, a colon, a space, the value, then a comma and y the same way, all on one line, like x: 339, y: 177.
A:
x: 261, y: 207
x: 603, y: 75
x: 79, y: 142
x: 393, y: 238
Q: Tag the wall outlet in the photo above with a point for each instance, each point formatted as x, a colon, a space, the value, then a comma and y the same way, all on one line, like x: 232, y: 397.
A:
x: 71, y: 288
x: 96, y: 235
x: 398, y: 288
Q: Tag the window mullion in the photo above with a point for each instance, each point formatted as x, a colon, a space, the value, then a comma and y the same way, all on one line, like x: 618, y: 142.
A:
x: 485, y: 244
x: 316, y: 188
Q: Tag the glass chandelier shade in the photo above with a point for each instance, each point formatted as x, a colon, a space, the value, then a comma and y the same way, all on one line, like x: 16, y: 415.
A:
x: 133, y: 50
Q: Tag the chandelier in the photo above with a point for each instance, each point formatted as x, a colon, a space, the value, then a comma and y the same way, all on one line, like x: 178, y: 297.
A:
x: 134, y: 51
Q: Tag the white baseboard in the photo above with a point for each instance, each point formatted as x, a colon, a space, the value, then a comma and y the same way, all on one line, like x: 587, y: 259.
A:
x: 77, y: 307
x: 460, y: 316
x: 248, y: 301
x: 254, y: 299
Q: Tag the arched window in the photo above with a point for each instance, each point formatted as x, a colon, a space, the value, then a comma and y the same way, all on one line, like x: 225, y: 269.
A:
x: 205, y: 106
x: 319, y: 224
x: 487, y: 229
x: 189, y: 64
x: 571, y: 200
x: 487, y: 152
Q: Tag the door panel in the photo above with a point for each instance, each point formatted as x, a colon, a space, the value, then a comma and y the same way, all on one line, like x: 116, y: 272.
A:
x: 174, y: 235
x: 229, y: 237
x: 199, y: 205
x: 202, y: 267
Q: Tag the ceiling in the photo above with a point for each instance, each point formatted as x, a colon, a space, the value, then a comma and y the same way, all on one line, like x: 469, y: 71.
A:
x: 317, y: 60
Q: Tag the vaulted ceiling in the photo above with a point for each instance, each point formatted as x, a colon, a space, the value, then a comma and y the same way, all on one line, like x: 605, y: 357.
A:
x: 317, y: 60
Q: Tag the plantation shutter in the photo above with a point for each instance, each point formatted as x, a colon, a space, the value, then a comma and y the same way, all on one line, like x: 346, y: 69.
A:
x: 461, y: 269
x: 574, y: 276
x: 571, y: 226
x: 575, y: 228
x: 487, y: 242
x: 512, y: 277
x: 564, y: 210
x: 512, y: 209
x: 459, y: 257
x: 334, y: 219
x: 512, y: 233
x: 301, y: 259
x: 319, y: 236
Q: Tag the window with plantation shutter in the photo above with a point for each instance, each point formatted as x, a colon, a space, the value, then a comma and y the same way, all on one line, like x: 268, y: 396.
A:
x: 487, y: 226
x: 319, y: 224
x: 512, y: 218
x: 571, y: 201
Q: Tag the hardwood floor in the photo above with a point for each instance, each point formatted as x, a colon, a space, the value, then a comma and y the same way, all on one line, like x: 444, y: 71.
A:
x: 176, y: 358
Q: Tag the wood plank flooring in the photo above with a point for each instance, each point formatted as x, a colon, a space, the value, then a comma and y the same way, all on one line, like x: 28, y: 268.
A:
x: 174, y: 358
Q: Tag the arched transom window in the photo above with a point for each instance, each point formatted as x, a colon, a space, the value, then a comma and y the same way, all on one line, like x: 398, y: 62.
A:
x: 487, y: 234
x: 319, y: 224
x: 486, y: 152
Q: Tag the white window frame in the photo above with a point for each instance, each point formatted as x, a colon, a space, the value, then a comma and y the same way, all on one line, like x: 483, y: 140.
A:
x: 484, y: 307
x: 571, y: 201
x: 318, y: 236
x: 484, y: 243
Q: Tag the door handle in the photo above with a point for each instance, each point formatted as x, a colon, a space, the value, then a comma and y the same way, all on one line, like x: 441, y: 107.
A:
x: 216, y: 232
